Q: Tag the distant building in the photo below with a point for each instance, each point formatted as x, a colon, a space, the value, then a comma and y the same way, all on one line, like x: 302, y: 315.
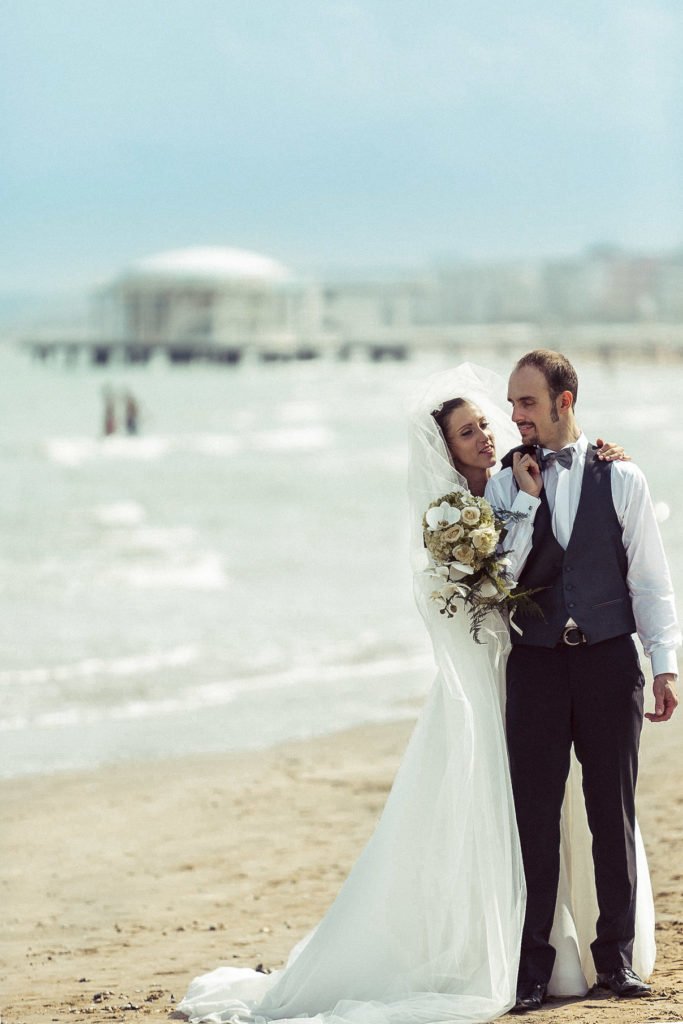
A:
x: 669, y: 290
x: 488, y: 293
x: 198, y: 297
x: 204, y: 299
x: 605, y: 285
x: 222, y: 304
x: 375, y: 311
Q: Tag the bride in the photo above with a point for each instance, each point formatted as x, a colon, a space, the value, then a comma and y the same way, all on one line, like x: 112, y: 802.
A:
x: 427, y: 926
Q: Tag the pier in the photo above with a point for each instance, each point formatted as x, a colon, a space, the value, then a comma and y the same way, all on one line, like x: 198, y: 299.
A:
x: 652, y: 342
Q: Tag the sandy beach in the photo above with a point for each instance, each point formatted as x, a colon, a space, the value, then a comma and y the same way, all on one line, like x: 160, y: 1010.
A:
x: 121, y: 884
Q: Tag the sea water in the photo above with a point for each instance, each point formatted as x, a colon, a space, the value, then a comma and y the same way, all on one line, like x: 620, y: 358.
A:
x: 237, y: 574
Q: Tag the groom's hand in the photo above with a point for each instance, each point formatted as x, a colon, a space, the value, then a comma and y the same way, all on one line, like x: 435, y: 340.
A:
x: 527, y: 474
x: 666, y: 701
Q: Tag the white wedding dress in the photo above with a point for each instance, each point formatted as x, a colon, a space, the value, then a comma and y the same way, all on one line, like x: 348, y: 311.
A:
x: 427, y: 926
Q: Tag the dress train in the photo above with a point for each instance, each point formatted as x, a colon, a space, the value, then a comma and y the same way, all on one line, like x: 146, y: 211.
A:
x: 427, y: 925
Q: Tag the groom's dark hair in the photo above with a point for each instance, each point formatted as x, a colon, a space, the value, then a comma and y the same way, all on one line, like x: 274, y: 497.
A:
x: 559, y: 373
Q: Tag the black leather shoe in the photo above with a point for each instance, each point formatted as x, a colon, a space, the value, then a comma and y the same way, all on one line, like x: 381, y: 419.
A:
x: 530, y: 996
x: 624, y: 982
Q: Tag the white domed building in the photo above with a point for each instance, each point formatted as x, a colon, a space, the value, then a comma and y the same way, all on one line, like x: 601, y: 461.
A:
x: 199, y: 299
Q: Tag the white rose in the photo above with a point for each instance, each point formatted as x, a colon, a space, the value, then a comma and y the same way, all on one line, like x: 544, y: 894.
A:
x: 484, y: 539
x: 471, y: 515
x: 463, y: 553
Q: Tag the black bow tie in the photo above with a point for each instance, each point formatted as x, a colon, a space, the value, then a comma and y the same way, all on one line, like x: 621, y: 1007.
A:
x: 562, y: 458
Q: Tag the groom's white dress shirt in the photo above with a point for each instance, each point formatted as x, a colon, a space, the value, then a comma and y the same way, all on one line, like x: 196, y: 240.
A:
x: 648, y: 578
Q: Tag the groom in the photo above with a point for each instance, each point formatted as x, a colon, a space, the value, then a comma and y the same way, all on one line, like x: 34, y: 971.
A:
x: 573, y: 675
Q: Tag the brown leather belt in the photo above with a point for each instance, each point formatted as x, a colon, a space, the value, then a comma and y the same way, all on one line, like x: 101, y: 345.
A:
x: 573, y: 637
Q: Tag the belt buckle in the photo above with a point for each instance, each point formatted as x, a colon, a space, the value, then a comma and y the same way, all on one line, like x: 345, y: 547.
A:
x: 572, y: 643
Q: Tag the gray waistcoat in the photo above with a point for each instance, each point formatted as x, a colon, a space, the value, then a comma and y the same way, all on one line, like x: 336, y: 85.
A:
x: 587, y: 582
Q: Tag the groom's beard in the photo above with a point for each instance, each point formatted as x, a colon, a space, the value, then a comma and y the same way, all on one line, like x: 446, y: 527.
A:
x: 530, y: 437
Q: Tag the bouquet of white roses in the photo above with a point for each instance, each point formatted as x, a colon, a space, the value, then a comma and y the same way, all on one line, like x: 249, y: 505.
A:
x: 462, y: 534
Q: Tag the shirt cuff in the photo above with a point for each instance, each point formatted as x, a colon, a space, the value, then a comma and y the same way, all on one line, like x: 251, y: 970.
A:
x: 664, y: 660
x: 526, y: 504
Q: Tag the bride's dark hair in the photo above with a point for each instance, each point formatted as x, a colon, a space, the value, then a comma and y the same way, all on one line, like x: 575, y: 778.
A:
x: 445, y: 408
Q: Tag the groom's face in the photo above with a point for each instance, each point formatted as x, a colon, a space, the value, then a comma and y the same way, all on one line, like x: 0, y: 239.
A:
x: 533, y: 410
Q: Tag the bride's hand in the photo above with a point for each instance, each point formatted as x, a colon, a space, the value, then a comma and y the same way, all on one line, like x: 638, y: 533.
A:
x: 609, y: 452
x: 527, y: 474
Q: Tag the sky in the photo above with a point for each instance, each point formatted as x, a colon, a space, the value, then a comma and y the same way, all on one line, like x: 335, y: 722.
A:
x: 334, y: 133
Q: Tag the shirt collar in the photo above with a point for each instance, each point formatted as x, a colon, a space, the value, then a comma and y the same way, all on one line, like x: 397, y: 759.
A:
x: 580, y: 446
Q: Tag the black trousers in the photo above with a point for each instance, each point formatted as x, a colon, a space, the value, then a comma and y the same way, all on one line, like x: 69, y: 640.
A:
x: 591, y: 696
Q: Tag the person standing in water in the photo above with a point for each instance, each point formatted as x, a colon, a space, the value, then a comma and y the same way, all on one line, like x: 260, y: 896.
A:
x: 131, y: 413
x: 109, y: 422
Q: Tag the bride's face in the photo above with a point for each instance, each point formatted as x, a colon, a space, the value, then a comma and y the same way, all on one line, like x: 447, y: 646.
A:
x: 469, y: 438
